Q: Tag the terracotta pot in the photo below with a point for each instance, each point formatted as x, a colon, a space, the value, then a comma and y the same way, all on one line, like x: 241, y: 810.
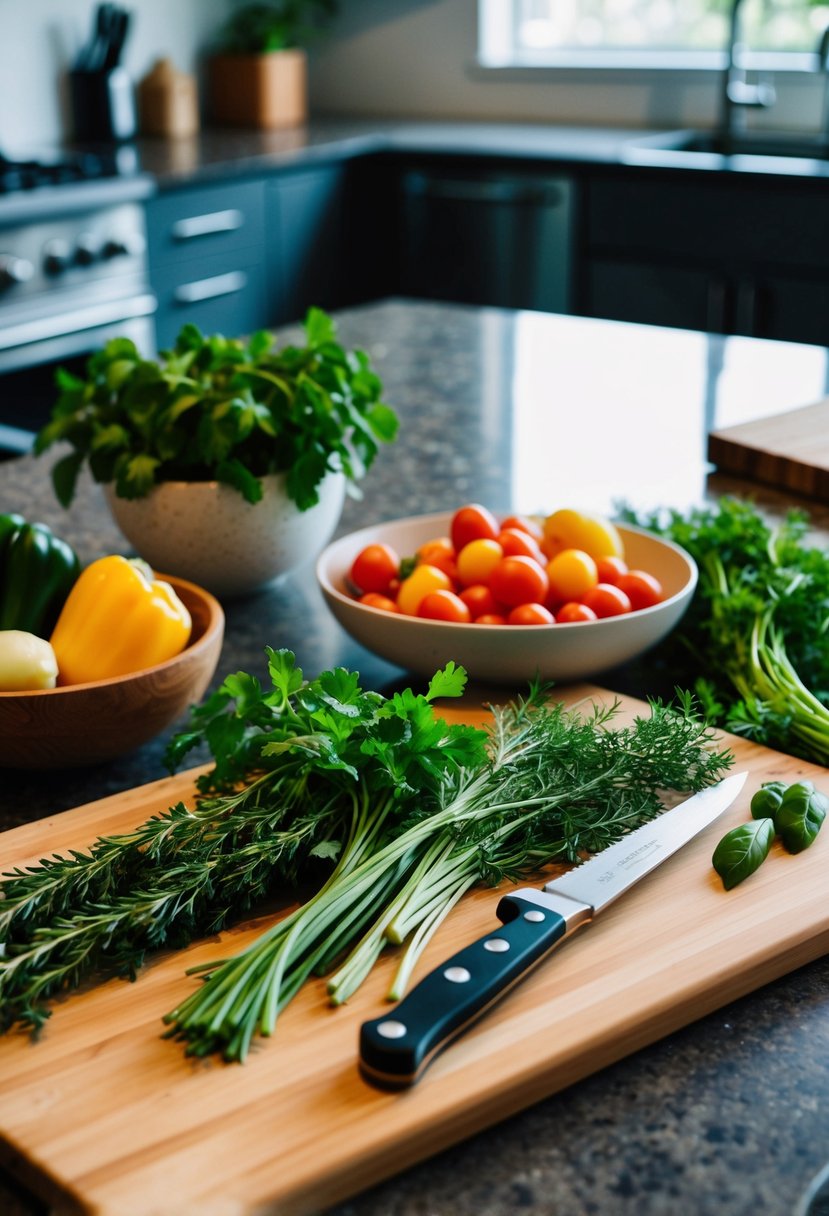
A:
x: 266, y: 91
x: 208, y: 533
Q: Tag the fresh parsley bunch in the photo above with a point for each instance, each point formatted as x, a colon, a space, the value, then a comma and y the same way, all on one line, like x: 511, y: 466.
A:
x: 753, y: 644
x: 221, y: 409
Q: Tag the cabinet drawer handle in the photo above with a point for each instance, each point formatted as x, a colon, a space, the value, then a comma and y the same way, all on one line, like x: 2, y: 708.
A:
x: 206, y: 225
x: 209, y: 289
x: 539, y: 194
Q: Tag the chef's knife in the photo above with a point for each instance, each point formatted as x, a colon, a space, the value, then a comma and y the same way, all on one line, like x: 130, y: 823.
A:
x: 395, y: 1049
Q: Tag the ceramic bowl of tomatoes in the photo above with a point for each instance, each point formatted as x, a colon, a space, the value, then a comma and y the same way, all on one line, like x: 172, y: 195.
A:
x: 420, y: 592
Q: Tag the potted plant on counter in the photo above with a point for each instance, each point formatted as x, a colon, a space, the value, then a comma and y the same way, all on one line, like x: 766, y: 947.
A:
x: 258, y: 77
x: 226, y: 461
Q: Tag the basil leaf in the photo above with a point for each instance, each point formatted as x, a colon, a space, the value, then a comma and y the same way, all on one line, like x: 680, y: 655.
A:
x: 799, y: 817
x: 742, y: 851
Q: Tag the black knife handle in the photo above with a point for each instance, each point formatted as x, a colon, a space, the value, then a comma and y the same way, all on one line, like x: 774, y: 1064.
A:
x: 395, y: 1049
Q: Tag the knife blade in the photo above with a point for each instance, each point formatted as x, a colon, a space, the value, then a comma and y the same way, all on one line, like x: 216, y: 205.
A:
x: 396, y: 1049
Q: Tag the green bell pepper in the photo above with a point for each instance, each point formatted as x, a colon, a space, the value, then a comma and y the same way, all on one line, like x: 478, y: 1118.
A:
x: 37, y: 572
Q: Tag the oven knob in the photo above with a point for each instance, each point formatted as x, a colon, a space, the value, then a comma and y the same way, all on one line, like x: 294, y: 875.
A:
x: 87, y: 250
x: 114, y: 248
x: 14, y: 270
x: 57, y: 257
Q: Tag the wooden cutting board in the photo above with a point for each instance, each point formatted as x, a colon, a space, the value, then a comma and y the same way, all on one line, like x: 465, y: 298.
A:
x: 102, y: 1115
x: 789, y: 451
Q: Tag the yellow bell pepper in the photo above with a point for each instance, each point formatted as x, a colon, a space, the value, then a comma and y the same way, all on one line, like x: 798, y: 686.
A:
x: 117, y: 619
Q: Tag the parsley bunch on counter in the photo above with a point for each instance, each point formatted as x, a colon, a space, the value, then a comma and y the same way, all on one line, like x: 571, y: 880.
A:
x: 221, y: 409
x: 755, y: 641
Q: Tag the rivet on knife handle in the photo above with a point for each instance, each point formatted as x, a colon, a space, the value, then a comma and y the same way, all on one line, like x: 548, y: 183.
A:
x: 396, y: 1048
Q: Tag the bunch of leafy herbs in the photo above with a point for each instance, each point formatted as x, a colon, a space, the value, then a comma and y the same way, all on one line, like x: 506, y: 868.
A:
x: 754, y: 643
x: 397, y: 813
x: 222, y: 409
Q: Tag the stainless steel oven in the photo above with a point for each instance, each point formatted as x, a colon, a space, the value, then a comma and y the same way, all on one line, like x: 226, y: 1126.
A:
x: 73, y: 274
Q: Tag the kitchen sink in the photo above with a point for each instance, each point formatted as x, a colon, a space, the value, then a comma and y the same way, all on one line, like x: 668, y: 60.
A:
x: 699, y: 147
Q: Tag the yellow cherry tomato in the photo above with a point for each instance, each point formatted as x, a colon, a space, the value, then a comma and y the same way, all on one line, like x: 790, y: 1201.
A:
x: 477, y: 560
x: 420, y: 583
x: 572, y: 573
x: 568, y: 529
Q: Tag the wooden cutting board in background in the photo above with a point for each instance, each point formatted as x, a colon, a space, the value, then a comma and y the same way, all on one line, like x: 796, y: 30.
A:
x: 789, y: 451
x: 103, y: 1116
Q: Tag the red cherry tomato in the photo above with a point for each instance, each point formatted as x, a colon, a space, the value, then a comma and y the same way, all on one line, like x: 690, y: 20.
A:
x: 573, y: 612
x: 530, y: 614
x: 519, y: 580
x: 374, y: 568
x: 642, y: 589
x: 611, y: 569
x: 444, y: 606
x: 524, y: 524
x: 607, y: 600
x: 373, y: 599
x: 479, y: 600
x: 516, y: 543
x: 491, y: 618
x: 439, y: 552
x: 472, y: 522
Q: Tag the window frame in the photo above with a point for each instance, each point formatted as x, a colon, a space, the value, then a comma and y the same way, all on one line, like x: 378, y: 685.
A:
x: 491, y: 57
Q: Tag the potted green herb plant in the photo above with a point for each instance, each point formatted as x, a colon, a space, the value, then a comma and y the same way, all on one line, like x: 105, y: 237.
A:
x: 224, y: 461
x: 258, y: 77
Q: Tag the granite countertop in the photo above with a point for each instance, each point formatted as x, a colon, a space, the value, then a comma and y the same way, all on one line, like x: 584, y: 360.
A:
x: 721, y: 1118
x: 215, y: 153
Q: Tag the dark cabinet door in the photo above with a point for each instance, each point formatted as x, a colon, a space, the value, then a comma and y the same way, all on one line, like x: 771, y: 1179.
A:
x: 487, y: 238
x: 306, y: 241
x: 650, y: 294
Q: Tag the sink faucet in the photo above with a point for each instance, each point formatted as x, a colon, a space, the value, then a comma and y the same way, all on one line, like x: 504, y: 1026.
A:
x: 738, y: 95
x: 823, y: 66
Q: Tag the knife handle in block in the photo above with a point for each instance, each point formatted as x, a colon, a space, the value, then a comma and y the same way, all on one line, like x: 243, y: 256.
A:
x: 395, y: 1049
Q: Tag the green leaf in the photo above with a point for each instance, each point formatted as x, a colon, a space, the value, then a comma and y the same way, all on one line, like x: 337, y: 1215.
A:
x: 327, y: 850
x: 233, y: 473
x: 450, y: 682
x: 286, y: 677
x: 136, y: 477
x: 65, y: 477
x: 319, y: 328
x: 742, y: 851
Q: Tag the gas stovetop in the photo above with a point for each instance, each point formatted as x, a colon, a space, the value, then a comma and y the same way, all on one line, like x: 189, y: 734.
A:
x: 64, y: 167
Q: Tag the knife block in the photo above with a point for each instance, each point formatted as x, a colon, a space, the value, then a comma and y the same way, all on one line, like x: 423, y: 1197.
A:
x: 103, y: 105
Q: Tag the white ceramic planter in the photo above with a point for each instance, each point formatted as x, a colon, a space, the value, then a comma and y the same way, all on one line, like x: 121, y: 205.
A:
x: 206, y: 532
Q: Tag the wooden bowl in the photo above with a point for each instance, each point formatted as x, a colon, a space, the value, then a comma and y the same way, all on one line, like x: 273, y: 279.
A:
x: 86, y: 723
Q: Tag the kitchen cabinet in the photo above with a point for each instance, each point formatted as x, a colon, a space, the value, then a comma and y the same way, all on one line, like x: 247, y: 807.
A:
x: 305, y: 224
x: 486, y: 235
x: 718, y: 254
x: 207, y: 261
x: 330, y: 236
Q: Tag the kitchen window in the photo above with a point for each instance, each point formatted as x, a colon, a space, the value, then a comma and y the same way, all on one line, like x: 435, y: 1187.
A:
x: 646, y: 33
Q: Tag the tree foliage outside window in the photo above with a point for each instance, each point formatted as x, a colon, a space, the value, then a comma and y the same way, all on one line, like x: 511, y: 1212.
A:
x: 552, y: 27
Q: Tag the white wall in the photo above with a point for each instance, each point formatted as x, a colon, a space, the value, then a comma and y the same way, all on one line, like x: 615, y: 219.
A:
x: 40, y: 38
x: 415, y: 58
